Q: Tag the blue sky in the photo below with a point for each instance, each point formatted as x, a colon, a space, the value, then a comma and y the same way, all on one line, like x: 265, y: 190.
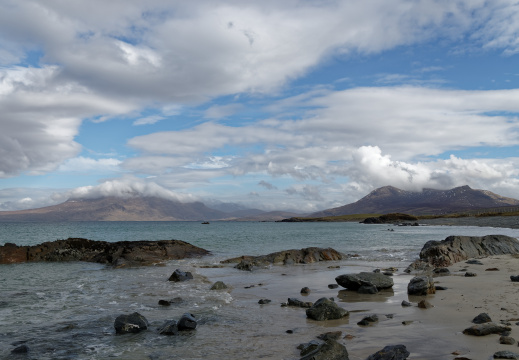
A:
x: 293, y: 105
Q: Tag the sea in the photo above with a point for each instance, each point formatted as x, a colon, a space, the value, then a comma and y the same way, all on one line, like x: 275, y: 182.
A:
x: 67, y: 310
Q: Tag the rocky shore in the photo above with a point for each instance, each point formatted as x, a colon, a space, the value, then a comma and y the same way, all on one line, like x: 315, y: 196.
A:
x: 117, y: 254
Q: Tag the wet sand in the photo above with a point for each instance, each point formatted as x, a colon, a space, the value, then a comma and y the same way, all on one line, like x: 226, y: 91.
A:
x: 434, y: 333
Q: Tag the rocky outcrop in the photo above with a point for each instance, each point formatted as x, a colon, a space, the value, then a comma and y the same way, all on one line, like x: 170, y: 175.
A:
x: 325, y: 309
x: 118, y: 254
x: 364, y: 280
x: 287, y: 257
x: 133, y: 323
x: 459, y: 248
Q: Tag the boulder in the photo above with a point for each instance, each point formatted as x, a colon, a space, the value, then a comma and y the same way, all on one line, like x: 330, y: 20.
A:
x: 132, y: 323
x: 21, y: 349
x: 187, y: 322
x: 506, y: 355
x: 179, y: 276
x: 305, y: 290
x: 170, y: 327
x: 482, y: 318
x: 298, y: 303
x: 514, y: 278
x: 367, y: 320
x: 421, y: 285
x: 325, y: 309
x: 459, y: 248
x: 325, y: 350
x: 117, y: 254
x: 289, y: 257
x: 390, y: 352
x: 486, y: 329
x: 219, y: 285
x: 506, y: 340
x: 355, y: 281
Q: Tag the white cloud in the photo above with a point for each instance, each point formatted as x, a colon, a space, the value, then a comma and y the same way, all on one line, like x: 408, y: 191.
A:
x: 88, y: 165
x: 148, y: 120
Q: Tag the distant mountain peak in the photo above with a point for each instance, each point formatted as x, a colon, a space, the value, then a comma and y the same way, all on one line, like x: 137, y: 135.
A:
x: 389, y: 199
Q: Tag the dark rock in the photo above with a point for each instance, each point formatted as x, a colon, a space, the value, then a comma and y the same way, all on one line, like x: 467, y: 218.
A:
x: 390, y: 352
x: 514, y: 278
x: 333, y: 335
x: 459, y: 248
x: 506, y: 340
x: 118, y: 254
x: 367, y: 289
x: 492, y: 269
x: 367, y: 320
x: 506, y: 355
x: 473, y: 262
x: 289, y: 331
x: 333, y: 286
x: 438, y: 287
x: 376, y: 271
x: 219, y: 285
x: 179, y: 275
x: 305, y: 291
x: 289, y: 257
x: 441, y: 271
x: 421, y: 285
x: 22, y: 349
x: 482, y: 318
x: 406, y: 303
x: 164, y: 303
x: 355, y: 281
x: 132, y: 323
x: 170, y: 327
x: 388, y: 273
x: 245, y: 265
x: 486, y: 329
x: 325, y: 309
x: 470, y: 274
x: 407, y: 322
x: 298, y: 303
x: 424, y: 304
x: 187, y: 322
x: 264, y: 301
x: 327, y: 350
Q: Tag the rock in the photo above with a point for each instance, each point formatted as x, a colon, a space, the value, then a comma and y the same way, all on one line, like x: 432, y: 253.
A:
x: 424, y: 304
x: 482, y: 318
x: 118, y: 254
x: 219, y: 285
x: 355, y: 281
x: 22, y: 349
x: 473, y: 262
x: 333, y: 335
x: 179, y: 275
x: 492, y: 269
x: 407, y: 322
x: 327, y: 350
x: 506, y: 355
x: 406, y: 303
x: 441, y: 271
x: 298, y: 303
x: 421, y: 285
x: 305, y: 291
x: 470, y: 274
x: 325, y: 309
x: 132, y: 323
x: 486, y: 329
x: 164, y: 303
x: 390, y: 352
x: 514, y: 278
x: 309, y: 347
x: 264, y: 301
x: 245, y: 265
x: 459, y: 248
x: 187, y: 322
x: 289, y: 257
x: 368, y: 320
x: 439, y: 288
x: 170, y: 327
x: 506, y: 340
x: 333, y: 286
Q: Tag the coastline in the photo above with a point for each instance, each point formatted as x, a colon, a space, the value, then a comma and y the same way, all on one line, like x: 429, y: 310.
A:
x: 511, y: 222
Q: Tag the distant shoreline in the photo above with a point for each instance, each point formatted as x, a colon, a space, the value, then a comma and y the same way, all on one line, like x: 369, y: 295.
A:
x: 511, y: 222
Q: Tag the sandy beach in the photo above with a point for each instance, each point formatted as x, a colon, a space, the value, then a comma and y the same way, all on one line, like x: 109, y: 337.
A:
x: 434, y: 333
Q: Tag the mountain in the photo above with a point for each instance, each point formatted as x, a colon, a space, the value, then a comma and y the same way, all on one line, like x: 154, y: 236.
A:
x: 121, y: 209
x: 389, y: 199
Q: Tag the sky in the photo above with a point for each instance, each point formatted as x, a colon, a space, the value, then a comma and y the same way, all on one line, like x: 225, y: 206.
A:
x: 277, y: 105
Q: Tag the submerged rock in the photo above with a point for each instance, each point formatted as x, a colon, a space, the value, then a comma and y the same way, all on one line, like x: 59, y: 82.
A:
x: 170, y: 327
x: 179, y: 275
x: 187, y: 322
x: 118, y: 254
x: 219, y: 285
x: 132, y: 323
x: 325, y: 309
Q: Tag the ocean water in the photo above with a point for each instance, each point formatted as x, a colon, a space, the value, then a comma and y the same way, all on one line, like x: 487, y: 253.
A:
x: 67, y: 310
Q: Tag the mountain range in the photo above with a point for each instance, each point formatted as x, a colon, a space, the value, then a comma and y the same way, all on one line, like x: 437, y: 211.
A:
x: 389, y: 199
x: 383, y: 200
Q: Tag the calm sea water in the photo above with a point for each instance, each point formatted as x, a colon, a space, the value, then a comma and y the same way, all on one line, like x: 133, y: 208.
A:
x: 67, y: 310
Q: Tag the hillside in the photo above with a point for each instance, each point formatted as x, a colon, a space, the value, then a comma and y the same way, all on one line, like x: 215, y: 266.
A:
x: 389, y: 199
x: 120, y: 209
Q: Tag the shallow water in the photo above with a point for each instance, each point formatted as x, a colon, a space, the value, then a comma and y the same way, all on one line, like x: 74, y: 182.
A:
x: 67, y: 310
